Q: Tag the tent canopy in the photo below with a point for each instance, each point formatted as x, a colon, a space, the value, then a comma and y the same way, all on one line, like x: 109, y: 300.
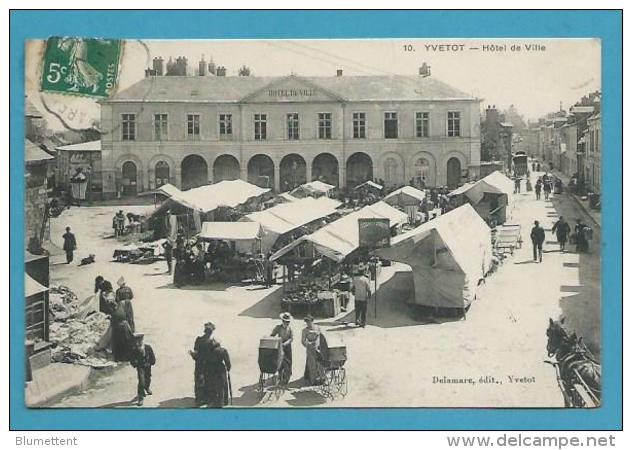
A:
x: 341, y: 237
x: 448, y: 255
x: 32, y: 287
x: 494, y: 183
x: 406, y: 195
x: 369, y: 184
x: 231, y: 231
x: 313, y: 187
x: 286, y: 217
x: 227, y: 193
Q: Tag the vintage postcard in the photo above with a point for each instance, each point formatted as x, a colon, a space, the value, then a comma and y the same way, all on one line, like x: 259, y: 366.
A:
x: 312, y: 223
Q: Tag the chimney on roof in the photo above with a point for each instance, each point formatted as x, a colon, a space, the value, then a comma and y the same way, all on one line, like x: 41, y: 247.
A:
x: 211, y: 66
x: 158, y: 66
x: 202, y: 67
x: 339, y: 72
x: 220, y: 71
x: 424, y: 70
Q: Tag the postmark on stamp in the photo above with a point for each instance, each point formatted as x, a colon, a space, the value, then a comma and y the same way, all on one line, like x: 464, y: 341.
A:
x: 81, y: 66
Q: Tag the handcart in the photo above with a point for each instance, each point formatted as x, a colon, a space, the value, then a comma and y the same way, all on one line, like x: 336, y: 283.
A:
x: 508, y: 238
x: 333, y: 359
x: 271, y: 369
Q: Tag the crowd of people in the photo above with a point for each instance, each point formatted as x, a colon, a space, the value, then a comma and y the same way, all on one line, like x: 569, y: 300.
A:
x: 580, y: 235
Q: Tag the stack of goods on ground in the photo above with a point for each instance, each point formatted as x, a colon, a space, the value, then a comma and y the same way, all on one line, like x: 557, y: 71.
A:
x: 76, y: 329
x: 145, y: 253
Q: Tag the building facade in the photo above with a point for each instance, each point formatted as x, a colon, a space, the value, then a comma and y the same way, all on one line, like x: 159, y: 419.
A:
x: 592, y: 170
x: 282, y: 131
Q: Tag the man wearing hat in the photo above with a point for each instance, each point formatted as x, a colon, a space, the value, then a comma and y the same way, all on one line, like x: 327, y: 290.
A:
x: 124, y: 292
x: 284, y: 331
x: 70, y: 245
x: 212, y: 364
x: 537, y: 239
x: 142, y: 358
x: 362, y: 292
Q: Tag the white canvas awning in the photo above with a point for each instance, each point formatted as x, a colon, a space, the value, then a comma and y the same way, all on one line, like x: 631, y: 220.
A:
x: 447, y: 263
x: 231, y: 231
x: 340, y: 238
x: 404, y: 196
x: 495, y: 183
x: 32, y: 287
x: 227, y: 193
x: 369, y: 184
x: 286, y: 217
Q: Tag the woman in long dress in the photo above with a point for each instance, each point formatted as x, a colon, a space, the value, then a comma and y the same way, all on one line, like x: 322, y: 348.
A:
x: 310, y: 338
x: 284, y: 331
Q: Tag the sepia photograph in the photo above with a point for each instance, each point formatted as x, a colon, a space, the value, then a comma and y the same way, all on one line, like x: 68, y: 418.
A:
x: 312, y: 223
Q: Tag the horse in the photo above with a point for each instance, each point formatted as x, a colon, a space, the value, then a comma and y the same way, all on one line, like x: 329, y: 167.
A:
x: 575, y: 364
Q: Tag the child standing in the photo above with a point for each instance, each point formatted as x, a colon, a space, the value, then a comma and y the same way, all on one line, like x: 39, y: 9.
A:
x: 142, y: 359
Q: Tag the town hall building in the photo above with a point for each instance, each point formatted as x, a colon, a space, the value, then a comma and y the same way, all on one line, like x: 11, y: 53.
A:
x: 280, y: 132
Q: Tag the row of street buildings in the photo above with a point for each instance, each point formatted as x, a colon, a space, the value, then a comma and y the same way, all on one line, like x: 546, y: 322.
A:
x: 570, y: 141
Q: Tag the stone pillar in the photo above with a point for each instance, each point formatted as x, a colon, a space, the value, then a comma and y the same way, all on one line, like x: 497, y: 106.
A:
x: 308, y: 169
x: 243, y: 172
x: 277, y: 176
x: 178, y: 180
x: 342, y: 179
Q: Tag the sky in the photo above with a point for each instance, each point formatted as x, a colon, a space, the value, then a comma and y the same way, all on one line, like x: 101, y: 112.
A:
x: 534, y: 81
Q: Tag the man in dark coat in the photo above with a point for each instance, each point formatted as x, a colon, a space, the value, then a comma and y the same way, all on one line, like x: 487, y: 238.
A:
x: 537, y: 239
x: 212, y: 364
x: 70, y: 245
x: 561, y: 229
x: 142, y: 358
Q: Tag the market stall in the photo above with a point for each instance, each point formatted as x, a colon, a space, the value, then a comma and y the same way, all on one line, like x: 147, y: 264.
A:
x: 282, y: 220
x: 318, y: 264
x: 447, y: 264
x: 408, y: 198
x: 187, y: 210
x: 242, y: 237
x: 489, y: 196
x: 314, y: 189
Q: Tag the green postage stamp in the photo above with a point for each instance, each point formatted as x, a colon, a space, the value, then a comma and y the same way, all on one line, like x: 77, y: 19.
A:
x: 81, y: 66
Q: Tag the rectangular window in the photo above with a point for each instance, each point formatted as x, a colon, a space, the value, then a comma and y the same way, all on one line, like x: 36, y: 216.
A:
x: 193, y: 127
x: 292, y: 126
x: 454, y: 124
x: 225, y: 126
x: 359, y: 125
x: 128, y: 127
x: 597, y: 149
x: 324, y: 125
x: 160, y: 127
x: 261, y: 127
x: 390, y: 125
x: 422, y: 124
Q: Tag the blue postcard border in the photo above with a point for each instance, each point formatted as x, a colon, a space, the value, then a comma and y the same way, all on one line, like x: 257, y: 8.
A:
x: 604, y: 25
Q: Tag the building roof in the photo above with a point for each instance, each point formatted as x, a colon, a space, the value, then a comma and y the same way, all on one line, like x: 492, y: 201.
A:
x: 239, y: 89
x: 33, y: 153
x: 91, y: 146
